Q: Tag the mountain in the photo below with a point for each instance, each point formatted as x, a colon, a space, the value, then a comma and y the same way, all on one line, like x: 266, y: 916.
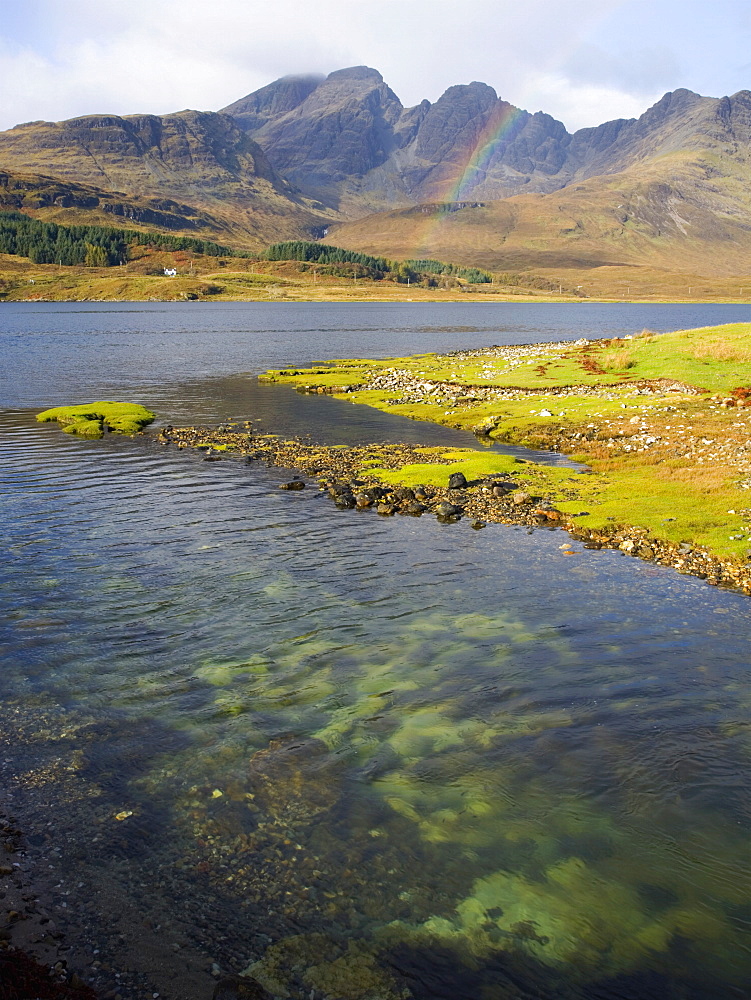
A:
x: 198, y: 167
x: 473, y: 179
x: 347, y: 140
x: 469, y: 178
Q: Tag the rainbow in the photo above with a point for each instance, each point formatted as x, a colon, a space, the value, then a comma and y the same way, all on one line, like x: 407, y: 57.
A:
x: 503, y: 123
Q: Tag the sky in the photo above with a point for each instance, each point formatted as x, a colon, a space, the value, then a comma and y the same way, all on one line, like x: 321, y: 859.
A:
x: 582, y: 61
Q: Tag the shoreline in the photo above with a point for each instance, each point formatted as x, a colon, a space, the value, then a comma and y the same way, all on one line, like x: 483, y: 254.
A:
x: 342, y: 473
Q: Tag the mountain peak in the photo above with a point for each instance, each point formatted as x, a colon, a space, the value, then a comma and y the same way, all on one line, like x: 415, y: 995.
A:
x: 356, y: 73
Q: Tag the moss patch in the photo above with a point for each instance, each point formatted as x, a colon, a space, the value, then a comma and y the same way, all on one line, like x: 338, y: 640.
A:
x: 92, y: 419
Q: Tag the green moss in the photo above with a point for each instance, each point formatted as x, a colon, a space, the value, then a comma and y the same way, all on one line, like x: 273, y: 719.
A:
x: 84, y: 428
x: 474, y: 465
x: 90, y: 419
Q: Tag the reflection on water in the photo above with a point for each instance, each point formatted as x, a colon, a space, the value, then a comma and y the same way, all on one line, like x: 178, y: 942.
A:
x: 371, y: 758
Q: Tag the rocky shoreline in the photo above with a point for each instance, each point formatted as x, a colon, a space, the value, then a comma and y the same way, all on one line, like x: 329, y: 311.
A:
x: 338, y: 472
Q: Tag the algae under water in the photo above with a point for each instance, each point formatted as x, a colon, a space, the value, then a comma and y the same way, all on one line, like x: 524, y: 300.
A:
x: 366, y: 758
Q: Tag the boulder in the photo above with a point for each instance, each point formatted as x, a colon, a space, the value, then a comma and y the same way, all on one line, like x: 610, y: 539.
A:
x: 446, y: 509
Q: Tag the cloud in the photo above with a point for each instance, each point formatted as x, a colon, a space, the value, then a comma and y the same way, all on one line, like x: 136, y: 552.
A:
x: 582, y: 105
x: 576, y: 59
x: 637, y: 71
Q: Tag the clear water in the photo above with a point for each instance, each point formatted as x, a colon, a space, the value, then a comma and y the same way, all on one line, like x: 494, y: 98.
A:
x: 380, y: 757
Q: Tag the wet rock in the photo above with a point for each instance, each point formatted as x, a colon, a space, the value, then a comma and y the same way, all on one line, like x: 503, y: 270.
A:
x: 386, y: 509
x: 295, y: 484
x: 240, y: 988
x: 447, y: 509
x: 346, y: 500
x: 414, y: 509
x: 363, y: 500
x: 403, y: 493
x: 457, y: 481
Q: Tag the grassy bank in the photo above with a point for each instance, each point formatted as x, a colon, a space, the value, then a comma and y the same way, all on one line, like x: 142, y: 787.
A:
x: 232, y: 279
x: 661, y: 422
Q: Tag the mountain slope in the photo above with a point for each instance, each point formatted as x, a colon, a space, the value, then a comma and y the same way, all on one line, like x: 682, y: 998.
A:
x: 681, y: 212
x: 200, y: 159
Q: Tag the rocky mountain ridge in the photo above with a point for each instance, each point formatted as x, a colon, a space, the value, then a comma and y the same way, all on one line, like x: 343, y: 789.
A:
x: 347, y: 140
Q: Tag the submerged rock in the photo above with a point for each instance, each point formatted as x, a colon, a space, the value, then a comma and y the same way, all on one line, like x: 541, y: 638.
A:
x: 240, y: 988
x: 293, y: 780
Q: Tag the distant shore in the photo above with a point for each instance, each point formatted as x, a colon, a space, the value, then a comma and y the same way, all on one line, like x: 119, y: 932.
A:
x: 241, y: 280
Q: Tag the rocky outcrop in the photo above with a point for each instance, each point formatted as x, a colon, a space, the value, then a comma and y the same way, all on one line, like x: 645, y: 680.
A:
x: 319, y: 133
x: 164, y: 156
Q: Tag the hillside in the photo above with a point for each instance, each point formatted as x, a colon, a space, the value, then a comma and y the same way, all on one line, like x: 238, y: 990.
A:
x: 185, y: 172
x: 681, y: 214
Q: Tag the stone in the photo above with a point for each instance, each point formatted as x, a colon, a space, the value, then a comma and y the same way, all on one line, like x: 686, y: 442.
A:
x: 414, y: 509
x: 239, y: 988
x: 403, y: 493
x: 296, y: 484
x: 446, y: 509
x: 457, y: 481
x: 485, y: 426
x: 521, y: 497
x: 548, y: 514
x: 346, y: 500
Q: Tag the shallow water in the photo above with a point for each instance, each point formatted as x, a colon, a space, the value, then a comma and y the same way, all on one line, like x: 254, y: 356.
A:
x: 372, y: 754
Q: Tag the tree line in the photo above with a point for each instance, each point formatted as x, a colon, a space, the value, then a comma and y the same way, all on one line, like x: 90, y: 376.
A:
x: 91, y: 246
x: 103, y: 246
x: 403, y: 271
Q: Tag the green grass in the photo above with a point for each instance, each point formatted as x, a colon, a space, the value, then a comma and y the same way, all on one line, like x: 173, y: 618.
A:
x: 474, y: 465
x: 91, y: 419
x: 716, y: 359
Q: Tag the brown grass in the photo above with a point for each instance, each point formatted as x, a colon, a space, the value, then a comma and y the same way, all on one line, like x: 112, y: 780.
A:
x: 720, y: 350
